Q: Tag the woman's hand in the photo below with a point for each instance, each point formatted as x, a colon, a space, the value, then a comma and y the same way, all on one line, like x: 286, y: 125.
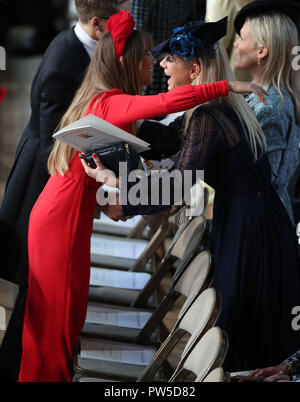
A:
x: 105, y: 176
x: 101, y: 174
x: 114, y: 212
x: 240, y: 87
x: 274, y: 373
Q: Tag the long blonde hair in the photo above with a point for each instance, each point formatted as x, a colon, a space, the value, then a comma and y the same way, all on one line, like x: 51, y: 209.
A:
x: 278, y: 33
x: 105, y: 72
x: 219, y: 69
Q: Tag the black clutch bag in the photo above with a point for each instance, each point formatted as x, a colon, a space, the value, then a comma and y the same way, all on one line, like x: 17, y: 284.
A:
x: 112, y: 154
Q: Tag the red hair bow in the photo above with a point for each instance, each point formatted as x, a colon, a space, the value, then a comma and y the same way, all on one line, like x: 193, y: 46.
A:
x: 3, y: 93
x: 120, y: 27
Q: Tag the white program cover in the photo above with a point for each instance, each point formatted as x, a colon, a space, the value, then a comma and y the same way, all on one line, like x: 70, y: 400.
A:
x: 90, y: 132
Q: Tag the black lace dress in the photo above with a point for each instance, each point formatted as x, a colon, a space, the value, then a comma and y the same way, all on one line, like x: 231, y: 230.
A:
x: 253, y: 241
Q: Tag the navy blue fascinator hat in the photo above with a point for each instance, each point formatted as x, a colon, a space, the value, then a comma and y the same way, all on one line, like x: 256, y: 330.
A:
x: 258, y: 7
x: 195, y: 39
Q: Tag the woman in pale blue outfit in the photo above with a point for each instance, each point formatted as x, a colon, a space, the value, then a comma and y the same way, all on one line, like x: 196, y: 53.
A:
x: 277, y: 120
x: 264, y: 49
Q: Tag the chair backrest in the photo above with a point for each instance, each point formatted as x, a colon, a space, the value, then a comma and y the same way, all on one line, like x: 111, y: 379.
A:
x: 193, y: 279
x: 201, y: 315
x: 194, y: 275
x: 201, y: 282
x: 205, y: 355
x: 184, y: 249
x: 184, y: 243
x: 196, y: 200
x: 189, y: 238
x: 195, y: 205
x: 217, y: 375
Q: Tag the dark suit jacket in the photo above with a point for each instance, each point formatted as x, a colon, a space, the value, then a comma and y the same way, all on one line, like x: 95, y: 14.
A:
x: 58, y: 77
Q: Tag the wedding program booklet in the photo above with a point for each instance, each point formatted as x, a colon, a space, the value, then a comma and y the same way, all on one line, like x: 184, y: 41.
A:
x: 91, y: 132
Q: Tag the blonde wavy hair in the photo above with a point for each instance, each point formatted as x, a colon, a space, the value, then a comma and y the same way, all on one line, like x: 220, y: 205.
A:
x: 219, y: 69
x: 278, y: 33
x: 105, y: 72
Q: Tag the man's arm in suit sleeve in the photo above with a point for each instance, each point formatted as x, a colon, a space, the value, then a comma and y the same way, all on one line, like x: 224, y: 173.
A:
x: 56, y: 94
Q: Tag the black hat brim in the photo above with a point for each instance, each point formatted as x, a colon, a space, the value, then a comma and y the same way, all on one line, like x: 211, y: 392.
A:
x: 219, y: 29
x: 261, y: 6
x: 163, y: 47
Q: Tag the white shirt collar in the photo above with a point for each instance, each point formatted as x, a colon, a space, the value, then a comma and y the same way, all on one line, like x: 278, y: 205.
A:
x: 88, y: 43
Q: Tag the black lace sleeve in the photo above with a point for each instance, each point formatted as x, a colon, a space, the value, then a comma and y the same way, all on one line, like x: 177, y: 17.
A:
x: 201, y: 144
x: 294, y: 361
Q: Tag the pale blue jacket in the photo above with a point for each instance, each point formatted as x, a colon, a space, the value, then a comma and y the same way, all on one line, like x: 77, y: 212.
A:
x: 277, y: 120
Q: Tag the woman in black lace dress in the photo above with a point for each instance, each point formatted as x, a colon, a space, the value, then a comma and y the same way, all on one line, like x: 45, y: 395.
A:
x: 253, y: 241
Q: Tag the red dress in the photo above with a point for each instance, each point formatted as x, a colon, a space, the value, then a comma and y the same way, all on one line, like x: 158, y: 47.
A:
x: 59, y: 234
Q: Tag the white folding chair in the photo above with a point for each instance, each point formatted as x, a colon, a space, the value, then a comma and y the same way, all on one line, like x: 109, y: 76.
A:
x: 132, y: 254
x: 204, y: 355
x: 135, y: 227
x: 201, y: 315
x: 216, y: 375
x: 134, y: 289
x: 136, y: 324
x: 126, y: 361
x: 115, y: 251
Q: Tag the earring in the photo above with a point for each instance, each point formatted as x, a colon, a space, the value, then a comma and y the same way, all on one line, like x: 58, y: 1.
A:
x: 258, y: 61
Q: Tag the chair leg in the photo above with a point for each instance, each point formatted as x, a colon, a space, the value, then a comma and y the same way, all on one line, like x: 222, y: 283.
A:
x: 152, y: 285
x: 163, y: 332
x: 156, y: 319
x: 166, y: 370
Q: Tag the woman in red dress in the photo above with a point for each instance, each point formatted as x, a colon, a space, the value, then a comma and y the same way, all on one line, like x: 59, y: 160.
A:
x: 61, y: 221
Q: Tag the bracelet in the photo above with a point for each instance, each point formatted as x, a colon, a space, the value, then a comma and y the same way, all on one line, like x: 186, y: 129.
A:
x: 287, y: 368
